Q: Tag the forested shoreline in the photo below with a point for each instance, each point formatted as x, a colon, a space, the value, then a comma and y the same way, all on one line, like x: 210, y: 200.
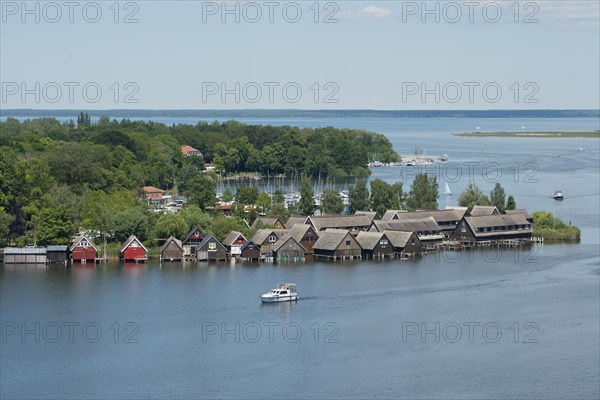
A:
x: 57, y: 178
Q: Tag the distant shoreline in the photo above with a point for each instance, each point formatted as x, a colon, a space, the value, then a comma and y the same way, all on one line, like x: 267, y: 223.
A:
x: 292, y: 113
x: 582, y: 135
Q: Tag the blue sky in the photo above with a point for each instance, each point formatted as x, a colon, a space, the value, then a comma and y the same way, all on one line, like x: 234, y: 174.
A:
x: 373, y: 55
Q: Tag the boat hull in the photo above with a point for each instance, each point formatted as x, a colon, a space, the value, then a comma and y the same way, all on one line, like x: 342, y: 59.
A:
x: 278, y: 299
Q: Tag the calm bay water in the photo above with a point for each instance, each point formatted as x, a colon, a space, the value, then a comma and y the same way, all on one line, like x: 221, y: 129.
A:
x: 515, y: 324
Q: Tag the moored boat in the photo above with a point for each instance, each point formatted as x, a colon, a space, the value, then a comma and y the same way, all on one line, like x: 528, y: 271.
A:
x: 558, y: 195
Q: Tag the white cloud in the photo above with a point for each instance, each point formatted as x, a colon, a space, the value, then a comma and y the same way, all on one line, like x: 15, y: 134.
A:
x: 569, y: 13
x: 369, y: 12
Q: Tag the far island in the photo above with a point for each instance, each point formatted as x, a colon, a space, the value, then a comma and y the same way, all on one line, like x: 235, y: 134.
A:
x: 584, y: 135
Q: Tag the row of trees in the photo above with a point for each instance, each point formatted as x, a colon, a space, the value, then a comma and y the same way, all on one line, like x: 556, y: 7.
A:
x: 474, y: 196
x: 381, y: 197
x: 50, y: 169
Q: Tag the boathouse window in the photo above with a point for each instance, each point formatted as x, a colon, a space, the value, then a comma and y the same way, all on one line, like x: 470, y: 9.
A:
x: 272, y: 238
x: 383, y: 241
x: 463, y: 228
x: 348, y: 242
x: 212, y: 246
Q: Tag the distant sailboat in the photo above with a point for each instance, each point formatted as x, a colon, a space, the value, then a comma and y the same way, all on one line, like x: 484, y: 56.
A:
x: 447, y: 191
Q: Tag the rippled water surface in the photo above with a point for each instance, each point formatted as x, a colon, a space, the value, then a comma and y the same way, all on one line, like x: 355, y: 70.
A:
x: 480, y: 324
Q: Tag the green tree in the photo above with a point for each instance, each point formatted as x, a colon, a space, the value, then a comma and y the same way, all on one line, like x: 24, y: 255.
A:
x: 359, y: 197
x: 278, y: 209
x: 201, y: 191
x: 473, y: 196
x: 97, y: 212
x: 227, y: 196
x: 278, y: 197
x: 83, y: 119
x: 383, y: 197
x: 246, y: 195
x: 222, y: 226
x: 306, y: 205
x: 498, y: 197
x: 5, y: 221
x: 170, y: 225
x: 424, y: 192
x: 511, y: 204
x: 263, y: 200
x: 196, y: 218
x: 54, y: 227
x: 331, y: 203
x: 131, y: 222
x: 552, y: 228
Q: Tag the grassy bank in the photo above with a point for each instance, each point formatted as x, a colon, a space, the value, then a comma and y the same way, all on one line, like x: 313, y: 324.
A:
x: 585, y: 135
x: 550, y: 228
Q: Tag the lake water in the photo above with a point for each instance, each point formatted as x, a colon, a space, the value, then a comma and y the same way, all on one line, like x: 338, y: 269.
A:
x: 480, y: 324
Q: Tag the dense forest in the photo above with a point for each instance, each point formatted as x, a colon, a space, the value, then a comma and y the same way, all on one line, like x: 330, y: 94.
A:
x: 56, y: 178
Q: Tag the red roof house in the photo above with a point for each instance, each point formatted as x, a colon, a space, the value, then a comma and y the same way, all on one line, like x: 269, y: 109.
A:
x: 189, y: 151
x: 155, y: 195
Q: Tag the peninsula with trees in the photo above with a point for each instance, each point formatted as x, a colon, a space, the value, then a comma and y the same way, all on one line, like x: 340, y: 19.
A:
x: 119, y: 180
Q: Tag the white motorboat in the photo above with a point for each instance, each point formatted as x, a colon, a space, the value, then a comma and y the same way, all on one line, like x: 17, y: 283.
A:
x: 285, y: 292
x: 558, y: 195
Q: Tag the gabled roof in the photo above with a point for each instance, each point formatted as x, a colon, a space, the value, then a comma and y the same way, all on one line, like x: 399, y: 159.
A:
x: 299, y: 230
x: 56, y: 248
x: 339, y: 221
x: 459, y: 208
x: 295, y: 220
x: 186, y: 149
x: 518, y: 211
x: 437, y: 215
x: 232, y: 237
x: 189, y: 235
x: 208, y: 239
x: 370, y: 214
x: 410, y: 225
x: 281, y: 242
x: 152, y: 189
x: 270, y: 222
x: 390, y: 214
x: 25, y: 250
x: 263, y: 234
x: 78, y: 239
x: 368, y: 240
x: 479, y: 211
x: 170, y: 240
x: 399, y: 239
x: 331, y: 239
x: 490, y: 221
x: 249, y: 243
x: 129, y: 240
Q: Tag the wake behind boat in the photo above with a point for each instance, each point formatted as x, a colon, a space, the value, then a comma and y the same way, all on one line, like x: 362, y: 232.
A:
x: 285, y: 292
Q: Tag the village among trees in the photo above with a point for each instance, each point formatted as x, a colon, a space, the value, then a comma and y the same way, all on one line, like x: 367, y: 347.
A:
x: 59, y: 179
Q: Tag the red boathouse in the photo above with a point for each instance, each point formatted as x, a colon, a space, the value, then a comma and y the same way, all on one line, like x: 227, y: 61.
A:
x: 134, y: 250
x: 83, y: 250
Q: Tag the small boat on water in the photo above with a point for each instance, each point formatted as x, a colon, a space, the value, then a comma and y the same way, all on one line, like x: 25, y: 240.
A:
x: 558, y: 195
x: 285, y: 292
